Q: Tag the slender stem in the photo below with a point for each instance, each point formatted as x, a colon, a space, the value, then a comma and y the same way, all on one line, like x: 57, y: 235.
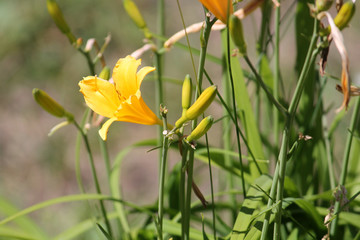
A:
x: 235, y: 112
x: 279, y: 175
x: 277, y: 74
x: 105, y: 155
x: 159, y: 95
x: 96, y: 181
x: 281, y: 178
x: 211, y: 186
x: 165, y: 148
x: 329, y: 154
x: 77, y: 152
x: 184, y: 219
x: 226, y: 130
x: 233, y: 120
x: 266, y: 15
x: 309, y: 61
x: 344, y: 167
x: 264, y: 87
x: 190, y: 168
x: 88, y: 60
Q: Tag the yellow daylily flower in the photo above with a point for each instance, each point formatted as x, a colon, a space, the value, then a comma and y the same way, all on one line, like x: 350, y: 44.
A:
x: 122, y: 100
x: 219, y: 8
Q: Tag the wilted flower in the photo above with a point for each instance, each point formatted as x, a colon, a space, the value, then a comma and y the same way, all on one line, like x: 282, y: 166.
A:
x: 121, y: 101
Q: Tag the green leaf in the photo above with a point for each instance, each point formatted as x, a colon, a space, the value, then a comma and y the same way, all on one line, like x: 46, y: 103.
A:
x: 248, y: 223
x: 64, y: 199
x: 310, y: 211
x: 24, y: 223
x: 246, y: 114
x: 10, y: 234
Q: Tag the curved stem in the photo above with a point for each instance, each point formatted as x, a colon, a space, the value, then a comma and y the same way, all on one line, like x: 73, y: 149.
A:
x: 96, y: 181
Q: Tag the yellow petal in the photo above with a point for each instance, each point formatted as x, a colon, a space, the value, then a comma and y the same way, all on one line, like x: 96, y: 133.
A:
x: 142, y: 73
x: 135, y: 110
x: 219, y: 8
x: 105, y: 128
x: 100, y: 96
x: 125, y: 76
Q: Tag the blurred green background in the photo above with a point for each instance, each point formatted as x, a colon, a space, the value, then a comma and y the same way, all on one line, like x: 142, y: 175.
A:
x: 35, y: 54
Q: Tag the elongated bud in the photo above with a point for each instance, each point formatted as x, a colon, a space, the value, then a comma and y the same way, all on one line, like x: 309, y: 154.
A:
x: 105, y: 73
x: 201, y: 129
x: 323, y: 5
x: 237, y: 34
x: 57, y: 16
x: 342, y: 19
x: 48, y: 103
x: 134, y: 13
x: 186, y: 92
x: 345, y: 14
x: 200, y: 105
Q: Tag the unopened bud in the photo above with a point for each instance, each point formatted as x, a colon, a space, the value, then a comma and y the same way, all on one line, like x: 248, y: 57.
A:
x: 134, y: 13
x: 201, y: 129
x: 323, y: 5
x: 200, y: 105
x: 342, y: 19
x: 57, y: 16
x: 186, y: 92
x: 345, y: 14
x: 48, y: 103
x: 237, y: 34
x: 105, y: 73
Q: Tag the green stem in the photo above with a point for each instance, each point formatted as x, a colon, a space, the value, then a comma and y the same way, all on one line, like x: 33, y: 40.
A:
x: 235, y: 112
x: 266, y: 15
x: 96, y: 181
x: 264, y: 87
x: 105, y: 155
x: 345, y: 162
x: 279, y: 175
x: 226, y: 130
x: 309, y: 61
x: 190, y: 168
x: 277, y: 73
x: 159, y: 95
x: 233, y: 120
x: 165, y: 148
x: 182, y: 192
x: 88, y: 60
x: 77, y: 152
x: 329, y: 154
x: 211, y: 186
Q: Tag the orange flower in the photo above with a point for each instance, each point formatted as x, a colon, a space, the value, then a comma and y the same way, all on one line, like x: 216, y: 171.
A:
x: 122, y: 100
x: 219, y: 8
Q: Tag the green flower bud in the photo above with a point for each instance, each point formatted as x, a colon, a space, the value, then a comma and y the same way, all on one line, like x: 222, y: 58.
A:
x: 323, y: 5
x: 48, y: 104
x: 342, y: 19
x: 200, y: 129
x: 200, y: 105
x: 186, y: 92
x: 237, y: 35
x: 105, y: 73
x: 57, y: 16
x: 134, y: 13
x: 345, y: 14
